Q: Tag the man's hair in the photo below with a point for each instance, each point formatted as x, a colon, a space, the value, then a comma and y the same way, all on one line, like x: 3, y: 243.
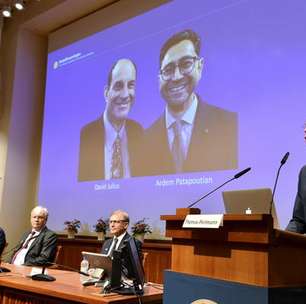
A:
x: 43, y: 209
x: 177, y: 38
x: 124, y: 214
x: 110, y: 74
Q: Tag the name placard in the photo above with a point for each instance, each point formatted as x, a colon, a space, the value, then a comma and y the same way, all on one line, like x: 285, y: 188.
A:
x: 203, y: 221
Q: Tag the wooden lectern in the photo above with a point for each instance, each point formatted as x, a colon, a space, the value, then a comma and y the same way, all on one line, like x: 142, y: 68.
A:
x: 245, y: 250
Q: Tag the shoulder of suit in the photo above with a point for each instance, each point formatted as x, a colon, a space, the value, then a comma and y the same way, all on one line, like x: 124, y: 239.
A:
x: 93, y: 125
x: 157, y: 125
x: 303, y: 171
x: 130, y: 123
x: 204, y: 106
x: 48, y: 232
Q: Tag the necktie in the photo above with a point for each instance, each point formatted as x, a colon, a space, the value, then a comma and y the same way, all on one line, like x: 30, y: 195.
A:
x: 25, y: 244
x: 117, y: 167
x: 177, y: 146
x: 112, y: 247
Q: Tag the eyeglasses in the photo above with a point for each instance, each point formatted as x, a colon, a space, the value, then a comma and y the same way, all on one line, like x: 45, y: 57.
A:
x: 185, y: 66
x: 117, y: 221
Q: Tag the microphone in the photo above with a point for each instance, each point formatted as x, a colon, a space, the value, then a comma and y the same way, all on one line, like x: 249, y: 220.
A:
x: 283, y: 161
x: 45, y: 277
x: 239, y: 174
x: 69, y: 268
x: 242, y: 173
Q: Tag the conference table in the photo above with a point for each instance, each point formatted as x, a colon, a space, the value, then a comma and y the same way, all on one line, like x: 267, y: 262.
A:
x: 16, y: 287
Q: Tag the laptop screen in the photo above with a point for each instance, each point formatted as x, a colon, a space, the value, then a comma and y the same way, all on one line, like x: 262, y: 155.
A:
x: 258, y: 200
x: 98, y: 260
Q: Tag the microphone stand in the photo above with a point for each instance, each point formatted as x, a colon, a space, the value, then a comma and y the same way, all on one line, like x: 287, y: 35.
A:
x: 42, y: 276
x: 209, y: 193
x: 239, y: 174
x: 283, y: 161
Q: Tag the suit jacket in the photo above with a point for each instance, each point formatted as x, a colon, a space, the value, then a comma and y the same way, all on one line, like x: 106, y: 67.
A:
x: 298, y: 221
x: 213, y: 143
x: 108, y: 242
x: 125, y: 263
x: 2, y: 241
x: 91, y: 156
x: 42, y: 250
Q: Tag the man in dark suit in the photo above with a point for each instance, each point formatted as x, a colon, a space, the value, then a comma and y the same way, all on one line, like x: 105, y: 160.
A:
x: 110, y: 145
x: 118, y: 224
x: 191, y: 135
x: 38, y: 246
x: 298, y: 222
x: 2, y: 241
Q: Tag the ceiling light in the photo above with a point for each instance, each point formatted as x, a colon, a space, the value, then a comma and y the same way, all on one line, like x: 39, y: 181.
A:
x: 19, y: 4
x: 7, y: 12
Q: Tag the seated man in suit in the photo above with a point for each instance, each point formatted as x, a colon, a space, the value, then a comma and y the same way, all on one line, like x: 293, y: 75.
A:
x: 37, y: 246
x: 118, y: 224
x: 298, y: 222
x: 190, y: 135
x: 110, y: 145
x: 2, y: 241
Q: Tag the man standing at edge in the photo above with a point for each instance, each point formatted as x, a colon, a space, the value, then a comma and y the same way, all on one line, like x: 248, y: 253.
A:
x: 191, y: 135
x: 298, y: 222
x: 110, y: 145
x: 38, y: 246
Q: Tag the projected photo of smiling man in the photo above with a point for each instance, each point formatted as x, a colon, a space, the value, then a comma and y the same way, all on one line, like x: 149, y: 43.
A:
x: 109, y: 145
x: 191, y: 135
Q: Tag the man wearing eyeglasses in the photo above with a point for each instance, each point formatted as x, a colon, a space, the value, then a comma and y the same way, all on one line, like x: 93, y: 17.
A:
x: 298, y: 222
x: 37, y: 246
x: 118, y: 225
x: 191, y: 135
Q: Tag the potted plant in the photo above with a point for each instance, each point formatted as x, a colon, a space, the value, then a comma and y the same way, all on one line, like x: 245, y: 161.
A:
x: 140, y: 228
x: 101, y: 228
x: 72, y: 227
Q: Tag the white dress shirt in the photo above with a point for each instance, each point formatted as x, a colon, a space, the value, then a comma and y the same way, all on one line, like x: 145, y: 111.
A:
x: 22, y: 252
x: 110, y: 137
x: 187, y: 122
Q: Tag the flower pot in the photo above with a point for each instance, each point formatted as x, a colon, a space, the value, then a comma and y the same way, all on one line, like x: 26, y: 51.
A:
x: 100, y: 235
x: 140, y: 237
x: 71, y: 234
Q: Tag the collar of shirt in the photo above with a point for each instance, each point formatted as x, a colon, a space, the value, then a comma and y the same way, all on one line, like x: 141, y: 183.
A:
x: 120, y: 237
x: 188, y: 116
x: 111, y: 132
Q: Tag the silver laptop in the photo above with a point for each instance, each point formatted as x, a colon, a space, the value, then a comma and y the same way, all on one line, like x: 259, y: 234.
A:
x: 258, y: 200
x: 98, y: 261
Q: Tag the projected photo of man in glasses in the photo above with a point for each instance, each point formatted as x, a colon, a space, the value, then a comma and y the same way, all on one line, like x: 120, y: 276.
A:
x: 191, y: 135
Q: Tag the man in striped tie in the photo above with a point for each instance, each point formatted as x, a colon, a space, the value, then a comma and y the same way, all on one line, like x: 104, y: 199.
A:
x: 37, y: 246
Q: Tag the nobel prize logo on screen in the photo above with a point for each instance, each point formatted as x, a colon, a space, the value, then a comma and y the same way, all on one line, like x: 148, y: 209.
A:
x: 71, y: 59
